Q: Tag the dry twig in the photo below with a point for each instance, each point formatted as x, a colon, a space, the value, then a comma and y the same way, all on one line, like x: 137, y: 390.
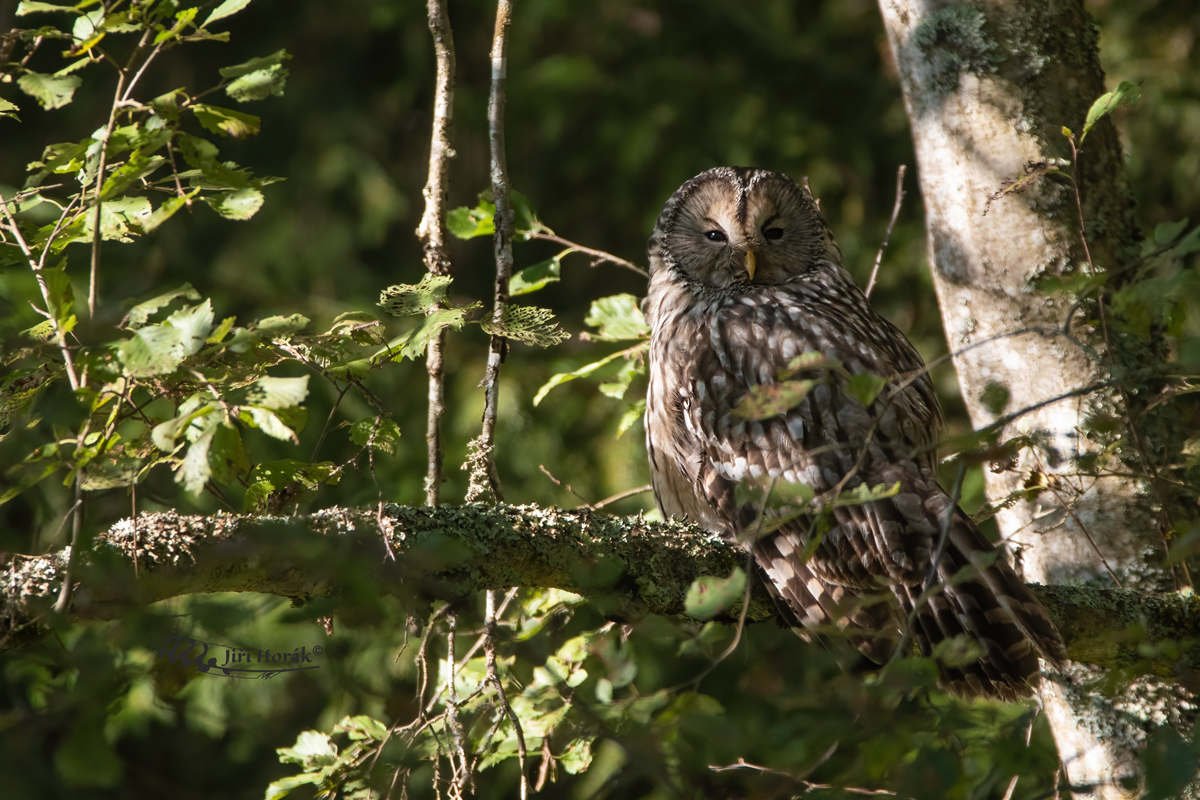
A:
x: 502, y: 243
x: 887, y: 237
x: 431, y: 234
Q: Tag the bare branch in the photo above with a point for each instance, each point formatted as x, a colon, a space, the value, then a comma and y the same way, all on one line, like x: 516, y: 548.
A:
x: 599, y: 255
x: 431, y: 234
x: 887, y: 237
x: 502, y: 243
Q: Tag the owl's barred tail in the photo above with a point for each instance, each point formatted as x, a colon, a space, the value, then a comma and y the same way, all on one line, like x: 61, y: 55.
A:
x: 982, y: 600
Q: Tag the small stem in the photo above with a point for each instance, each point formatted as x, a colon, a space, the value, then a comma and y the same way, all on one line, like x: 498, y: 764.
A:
x: 887, y: 237
x: 502, y: 243
x: 431, y: 234
x: 494, y: 678
x: 598, y: 254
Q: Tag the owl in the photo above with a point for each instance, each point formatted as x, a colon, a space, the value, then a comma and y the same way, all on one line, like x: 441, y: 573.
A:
x: 757, y: 430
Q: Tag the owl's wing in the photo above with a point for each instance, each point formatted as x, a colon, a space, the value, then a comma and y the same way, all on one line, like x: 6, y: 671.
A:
x: 824, y: 437
x: 818, y: 434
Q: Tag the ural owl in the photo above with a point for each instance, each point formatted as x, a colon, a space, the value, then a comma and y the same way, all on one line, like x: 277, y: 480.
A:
x: 749, y: 305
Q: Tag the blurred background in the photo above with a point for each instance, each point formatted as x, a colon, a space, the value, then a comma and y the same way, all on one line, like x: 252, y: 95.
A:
x: 611, y: 106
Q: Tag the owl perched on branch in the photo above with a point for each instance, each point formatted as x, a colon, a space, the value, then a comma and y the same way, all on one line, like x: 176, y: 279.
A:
x: 785, y: 415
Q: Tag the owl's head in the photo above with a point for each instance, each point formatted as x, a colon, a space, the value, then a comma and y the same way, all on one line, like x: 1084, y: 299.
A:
x: 733, y: 228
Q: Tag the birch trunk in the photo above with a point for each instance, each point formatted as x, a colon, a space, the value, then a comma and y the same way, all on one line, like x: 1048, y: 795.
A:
x: 988, y: 88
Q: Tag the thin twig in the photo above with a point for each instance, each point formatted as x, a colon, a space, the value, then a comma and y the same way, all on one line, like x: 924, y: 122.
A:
x: 1071, y: 512
x: 494, y: 678
x: 599, y: 255
x: 502, y: 242
x: 561, y: 485
x: 900, y: 193
x: 619, y: 496
x: 437, y: 259
x: 1167, y: 522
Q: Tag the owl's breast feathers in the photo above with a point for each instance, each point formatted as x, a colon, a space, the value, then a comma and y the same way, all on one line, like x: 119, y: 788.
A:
x: 710, y: 352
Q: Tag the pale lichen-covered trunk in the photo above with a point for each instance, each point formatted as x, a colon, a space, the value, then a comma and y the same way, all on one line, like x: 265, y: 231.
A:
x: 988, y: 87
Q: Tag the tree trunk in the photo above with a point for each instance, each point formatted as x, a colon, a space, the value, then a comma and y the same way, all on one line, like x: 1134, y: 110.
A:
x: 988, y: 88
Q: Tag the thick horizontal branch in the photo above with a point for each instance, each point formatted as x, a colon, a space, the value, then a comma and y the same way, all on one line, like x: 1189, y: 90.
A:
x: 627, y: 566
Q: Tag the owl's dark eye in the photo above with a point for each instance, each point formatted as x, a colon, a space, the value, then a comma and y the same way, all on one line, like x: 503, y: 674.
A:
x: 716, y: 236
x: 773, y: 233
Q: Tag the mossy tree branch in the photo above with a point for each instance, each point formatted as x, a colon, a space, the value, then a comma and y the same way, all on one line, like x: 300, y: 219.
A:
x: 627, y: 566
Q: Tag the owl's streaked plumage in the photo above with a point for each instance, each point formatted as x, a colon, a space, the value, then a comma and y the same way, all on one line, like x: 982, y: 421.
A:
x: 745, y: 277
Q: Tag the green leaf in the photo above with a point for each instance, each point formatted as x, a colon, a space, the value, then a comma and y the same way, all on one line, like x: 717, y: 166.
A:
x: 632, y: 415
x: 153, y: 350
x: 9, y: 109
x: 866, y: 387
x: 277, y: 481
x: 226, y: 9
x: 312, y: 750
x: 19, y: 387
x: 995, y: 397
x: 285, y: 786
x: 30, y: 7
x: 1168, y: 232
x: 385, y: 436
x: 528, y: 325
x: 238, y: 204
x: 227, y: 455
x: 194, y: 471
x: 582, y: 372
x: 415, y: 342
x: 526, y: 222
x: 403, y: 300
x: 227, y: 122
x: 773, y: 399
x: 120, y: 219
x: 258, y: 78
x: 279, y: 393
x: 167, y: 210
x: 617, y: 387
x: 255, y: 64
x: 58, y: 287
x: 577, y: 756
x: 194, y: 325
x: 709, y: 596
x: 533, y: 278
x: 864, y: 494
x: 268, y: 422
x: 50, y: 91
x: 619, y: 319
x: 1126, y: 94
x: 467, y: 223
x: 140, y: 314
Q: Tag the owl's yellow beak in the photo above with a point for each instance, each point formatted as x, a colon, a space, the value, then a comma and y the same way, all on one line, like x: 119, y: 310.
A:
x: 750, y: 264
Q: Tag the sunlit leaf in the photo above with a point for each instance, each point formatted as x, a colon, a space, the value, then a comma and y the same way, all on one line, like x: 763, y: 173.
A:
x: 866, y: 387
x: 1126, y: 94
x: 618, y: 317
x: 279, y: 393
x: 50, y: 91
x: 383, y: 433
x: 533, y: 278
x: 709, y: 596
x: 227, y: 122
x: 528, y: 325
x: 467, y: 223
x: 404, y: 300
x: 772, y: 399
x: 239, y: 204
x: 226, y: 9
